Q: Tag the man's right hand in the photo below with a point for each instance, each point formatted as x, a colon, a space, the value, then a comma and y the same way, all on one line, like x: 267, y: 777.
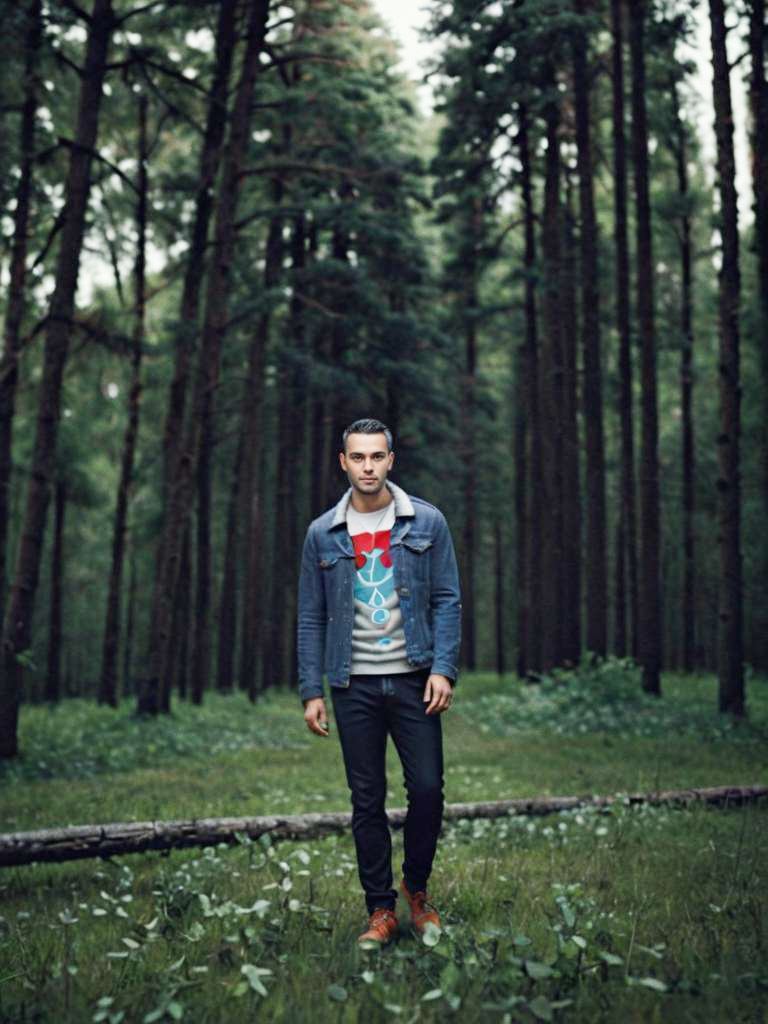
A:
x: 315, y: 716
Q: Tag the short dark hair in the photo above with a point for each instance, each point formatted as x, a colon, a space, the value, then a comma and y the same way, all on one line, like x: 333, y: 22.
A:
x: 367, y: 427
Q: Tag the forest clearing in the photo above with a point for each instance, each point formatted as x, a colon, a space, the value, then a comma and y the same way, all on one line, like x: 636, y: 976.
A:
x: 628, y: 913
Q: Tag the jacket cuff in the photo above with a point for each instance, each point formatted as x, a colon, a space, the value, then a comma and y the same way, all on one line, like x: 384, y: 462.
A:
x: 307, y: 692
x: 443, y: 668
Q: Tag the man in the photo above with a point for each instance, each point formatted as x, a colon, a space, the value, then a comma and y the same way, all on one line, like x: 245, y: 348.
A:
x: 379, y: 614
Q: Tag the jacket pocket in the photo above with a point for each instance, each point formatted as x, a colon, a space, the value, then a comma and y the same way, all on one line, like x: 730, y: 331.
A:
x: 417, y: 561
x: 417, y: 544
x: 330, y: 572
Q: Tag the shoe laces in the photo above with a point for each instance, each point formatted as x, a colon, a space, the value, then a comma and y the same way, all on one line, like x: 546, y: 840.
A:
x: 422, y: 903
x: 381, y: 915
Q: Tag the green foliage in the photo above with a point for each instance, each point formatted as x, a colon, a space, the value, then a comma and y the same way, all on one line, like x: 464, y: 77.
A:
x: 626, y: 913
x: 604, y: 698
x: 622, y: 912
x: 83, y: 739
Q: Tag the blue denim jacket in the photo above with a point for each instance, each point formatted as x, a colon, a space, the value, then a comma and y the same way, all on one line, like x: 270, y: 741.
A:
x: 426, y: 580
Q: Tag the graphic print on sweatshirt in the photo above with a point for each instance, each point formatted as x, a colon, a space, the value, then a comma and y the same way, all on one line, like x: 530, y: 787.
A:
x: 378, y: 638
x: 374, y: 578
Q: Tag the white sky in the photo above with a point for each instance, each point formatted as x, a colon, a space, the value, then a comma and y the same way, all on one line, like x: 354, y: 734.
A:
x: 406, y: 17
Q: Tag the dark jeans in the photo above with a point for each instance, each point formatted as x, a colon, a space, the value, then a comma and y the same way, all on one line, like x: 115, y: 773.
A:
x: 366, y: 712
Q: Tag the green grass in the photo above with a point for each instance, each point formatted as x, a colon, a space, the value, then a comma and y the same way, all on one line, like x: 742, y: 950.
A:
x: 631, y: 914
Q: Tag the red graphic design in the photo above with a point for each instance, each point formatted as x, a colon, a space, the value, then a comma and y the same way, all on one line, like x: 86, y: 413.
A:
x: 365, y: 543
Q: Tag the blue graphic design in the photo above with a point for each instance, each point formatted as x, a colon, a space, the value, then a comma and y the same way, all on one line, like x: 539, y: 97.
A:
x: 374, y: 584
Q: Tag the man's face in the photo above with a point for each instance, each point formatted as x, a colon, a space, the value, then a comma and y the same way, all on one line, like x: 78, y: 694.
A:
x: 367, y: 462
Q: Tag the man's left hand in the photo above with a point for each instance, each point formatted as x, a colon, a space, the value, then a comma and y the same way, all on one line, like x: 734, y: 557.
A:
x: 439, y: 693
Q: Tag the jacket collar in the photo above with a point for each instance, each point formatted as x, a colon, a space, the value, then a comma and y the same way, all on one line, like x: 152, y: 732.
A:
x: 403, y: 504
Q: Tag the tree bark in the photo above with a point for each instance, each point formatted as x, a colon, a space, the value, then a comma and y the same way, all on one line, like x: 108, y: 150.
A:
x: 322, y: 427
x: 529, y: 391
x: 294, y: 486
x: 228, y: 605
x: 206, y: 378
x: 570, y: 569
x: 467, y: 414
x: 596, y: 589
x: 182, y: 618
x: 201, y: 634
x: 626, y: 625
x: 688, y: 452
x: 79, y: 842
x: 210, y: 159
x: 252, y: 440
x: 650, y: 620
x: 17, y: 624
x: 550, y: 503
x: 620, y: 590
x: 522, y: 524
x: 730, y: 658
x: 111, y: 642
x: 129, y: 624
x: 53, y: 675
x: 188, y: 322
x: 758, y: 97
x: 498, y: 597
x: 758, y: 101
x: 14, y: 313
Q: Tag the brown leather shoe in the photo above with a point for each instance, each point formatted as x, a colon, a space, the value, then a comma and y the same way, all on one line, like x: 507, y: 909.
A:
x: 422, y: 912
x: 382, y: 925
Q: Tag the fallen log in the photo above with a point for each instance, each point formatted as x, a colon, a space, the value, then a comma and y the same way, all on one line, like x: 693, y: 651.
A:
x: 77, y: 842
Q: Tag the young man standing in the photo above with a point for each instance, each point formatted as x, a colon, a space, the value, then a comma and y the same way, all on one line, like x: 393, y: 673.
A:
x: 379, y: 614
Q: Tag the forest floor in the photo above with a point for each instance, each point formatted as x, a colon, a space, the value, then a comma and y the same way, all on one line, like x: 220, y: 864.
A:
x: 629, y: 913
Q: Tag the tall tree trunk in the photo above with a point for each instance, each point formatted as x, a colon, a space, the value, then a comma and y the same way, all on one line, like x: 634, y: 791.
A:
x: 628, y: 600
x: 296, y: 422
x: 251, y: 498
x: 187, y: 326
x: 206, y: 378
x: 551, y: 402
x: 650, y: 636
x: 758, y: 99
x: 570, y: 572
x: 530, y: 587
x: 182, y: 618
x: 758, y: 96
x: 227, y: 636
x: 596, y: 540
x: 322, y: 436
x: 686, y: 402
x: 498, y: 597
x: 620, y: 589
x: 14, y: 313
x: 53, y: 675
x: 467, y: 414
x: 730, y: 663
x: 17, y: 624
x: 111, y: 642
x: 210, y: 159
x: 289, y: 490
x: 201, y: 639
x: 130, y: 616
x: 522, y: 525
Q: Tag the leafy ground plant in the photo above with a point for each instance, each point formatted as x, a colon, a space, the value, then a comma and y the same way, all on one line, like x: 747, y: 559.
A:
x: 639, y: 913
x: 623, y: 913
